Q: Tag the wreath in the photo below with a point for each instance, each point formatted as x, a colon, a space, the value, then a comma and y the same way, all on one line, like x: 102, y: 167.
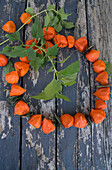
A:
x: 40, y: 50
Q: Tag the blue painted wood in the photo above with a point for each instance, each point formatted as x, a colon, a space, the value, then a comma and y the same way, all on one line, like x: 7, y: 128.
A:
x: 76, y: 148
x: 74, y: 145
x: 9, y: 124
x: 38, y: 149
x: 99, y: 20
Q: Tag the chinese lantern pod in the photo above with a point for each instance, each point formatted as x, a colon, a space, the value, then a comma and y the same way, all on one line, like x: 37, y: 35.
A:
x: 67, y: 120
x: 12, y: 77
x: 47, y: 126
x: 25, y: 17
x: 35, y: 120
x: 99, y: 66
x: 70, y: 41
x: 102, y: 78
x: 9, y: 27
x: 60, y: 40
x: 81, y: 44
x: 92, y: 56
x: 21, y: 108
x: 100, y: 105
x: 103, y: 93
x: 21, y: 67
x: 97, y: 116
x: 3, y: 60
x: 49, y: 33
x: 16, y: 90
x: 80, y: 121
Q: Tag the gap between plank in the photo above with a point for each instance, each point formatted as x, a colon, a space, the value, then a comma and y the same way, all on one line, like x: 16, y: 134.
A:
x: 86, y: 10
x: 20, y: 135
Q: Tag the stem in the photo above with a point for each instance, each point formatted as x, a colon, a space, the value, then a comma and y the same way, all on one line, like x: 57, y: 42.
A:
x: 21, y: 43
x: 53, y: 10
x: 6, y: 89
x: 40, y: 48
x: 30, y: 19
x: 24, y: 24
x: 105, y: 86
x: 56, y: 72
x: 4, y: 41
x: 48, y: 57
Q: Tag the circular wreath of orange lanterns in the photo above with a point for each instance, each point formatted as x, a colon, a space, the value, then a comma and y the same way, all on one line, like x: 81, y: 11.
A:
x: 79, y: 120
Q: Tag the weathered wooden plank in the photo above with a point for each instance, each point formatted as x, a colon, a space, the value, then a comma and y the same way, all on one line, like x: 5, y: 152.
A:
x: 74, y: 145
x: 99, y: 18
x: 38, y: 149
x: 9, y: 124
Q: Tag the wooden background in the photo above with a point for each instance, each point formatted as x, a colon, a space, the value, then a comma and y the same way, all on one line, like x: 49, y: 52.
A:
x: 71, y: 149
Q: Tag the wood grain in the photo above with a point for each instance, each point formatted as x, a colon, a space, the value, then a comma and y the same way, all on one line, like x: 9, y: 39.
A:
x: 74, y: 145
x: 38, y: 149
x: 9, y: 124
x: 99, y: 14
x: 65, y: 149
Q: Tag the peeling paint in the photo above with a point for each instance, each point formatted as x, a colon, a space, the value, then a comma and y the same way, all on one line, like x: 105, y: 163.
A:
x: 3, y: 78
x: 47, y: 108
x: 61, y: 3
x: 5, y: 119
x: 33, y: 76
x: 37, y: 145
x: 29, y: 138
x: 60, y: 56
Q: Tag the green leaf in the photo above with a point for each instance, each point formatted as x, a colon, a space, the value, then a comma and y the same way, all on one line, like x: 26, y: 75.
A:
x: 18, y: 51
x: 69, y: 74
x: 68, y: 25
x: 50, y: 69
x: 8, y: 68
x: 52, y: 51
x: 61, y: 96
x: 7, y: 50
x: 46, y: 20
x: 43, y: 41
x: 68, y: 80
x: 36, y: 30
x: 51, y: 7
x: 106, y: 62
x: 55, y: 20
x: 58, y: 27
x: 14, y: 36
x: 40, y: 96
x: 71, y: 69
x: 63, y: 15
x: 51, y: 15
x: 108, y: 67
x: 50, y: 90
x: 45, y: 62
x: 36, y: 63
x: 31, y: 53
x: 29, y: 10
x: 70, y: 83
